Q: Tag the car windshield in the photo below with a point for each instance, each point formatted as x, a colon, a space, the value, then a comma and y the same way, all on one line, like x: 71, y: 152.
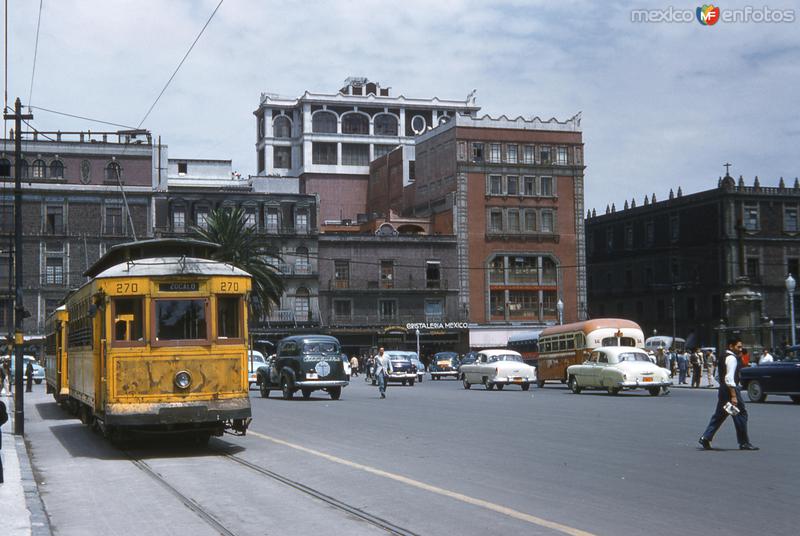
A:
x: 320, y: 348
x: 256, y: 357
x: 633, y: 356
x: 445, y: 356
x: 504, y: 357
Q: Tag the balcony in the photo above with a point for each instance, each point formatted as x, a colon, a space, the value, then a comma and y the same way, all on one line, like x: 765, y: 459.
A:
x: 168, y: 231
x: 384, y: 285
x: 380, y: 320
x: 289, y: 317
x: 302, y: 270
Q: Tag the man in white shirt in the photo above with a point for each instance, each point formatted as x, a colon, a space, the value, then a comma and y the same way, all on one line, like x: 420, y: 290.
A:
x: 766, y: 357
x: 729, y: 365
x: 383, y: 366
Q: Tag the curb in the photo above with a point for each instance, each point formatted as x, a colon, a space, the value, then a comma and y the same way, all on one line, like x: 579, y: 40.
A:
x: 40, y: 522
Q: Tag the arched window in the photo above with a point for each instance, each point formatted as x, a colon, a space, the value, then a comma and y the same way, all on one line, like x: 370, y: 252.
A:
x: 301, y: 263
x: 261, y: 126
x: 56, y: 169
x: 24, y: 170
x: 355, y: 123
x: 372, y: 89
x: 39, y: 169
x: 113, y: 170
x: 324, y: 122
x: 5, y: 167
x: 302, y: 304
x: 282, y: 127
x: 385, y: 125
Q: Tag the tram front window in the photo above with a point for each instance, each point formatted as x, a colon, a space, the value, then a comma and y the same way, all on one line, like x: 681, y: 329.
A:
x: 128, y: 320
x: 228, y: 324
x: 180, y: 320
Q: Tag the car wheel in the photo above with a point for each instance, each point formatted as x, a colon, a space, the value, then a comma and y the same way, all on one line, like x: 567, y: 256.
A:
x: 795, y: 399
x: 306, y: 393
x: 573, y: 385
x: 613, y: 391
x: 411, y: 382
x: 654, y: 391
x: 264, y: 389
x: 755, y: 392
x: 335, y: 392
x: 466, y: 384
x: 525, y: 386
x: 499, y: 386
x: 286, y: 388
x: 540, y: 383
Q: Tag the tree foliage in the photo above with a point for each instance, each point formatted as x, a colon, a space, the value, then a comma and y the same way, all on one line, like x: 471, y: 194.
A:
x: 243, y: 248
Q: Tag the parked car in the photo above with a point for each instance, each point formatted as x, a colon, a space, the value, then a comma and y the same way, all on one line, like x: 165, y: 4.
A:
x: 38, y: 370
x: 418, y: 364
x: 780, y: 377
x: 306, y: 363
x: 403, y: 370
x: 255, y: 360
x: 615, y: 368
x: 444, y: 365
x: 498, y: 368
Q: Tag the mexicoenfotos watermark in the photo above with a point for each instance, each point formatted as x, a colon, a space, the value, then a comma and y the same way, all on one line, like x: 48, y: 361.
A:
x: 709, y: 15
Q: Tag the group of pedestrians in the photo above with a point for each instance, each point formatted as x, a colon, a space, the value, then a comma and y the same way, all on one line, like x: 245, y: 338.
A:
x: 689, y: 365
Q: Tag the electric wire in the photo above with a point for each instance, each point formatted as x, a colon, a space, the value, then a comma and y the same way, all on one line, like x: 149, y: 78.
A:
x: 75, y: 116
x: 35, y: 51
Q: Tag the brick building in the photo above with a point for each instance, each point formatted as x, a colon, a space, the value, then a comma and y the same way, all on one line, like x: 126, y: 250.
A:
x: 669, y: 264
x: 73, y: 210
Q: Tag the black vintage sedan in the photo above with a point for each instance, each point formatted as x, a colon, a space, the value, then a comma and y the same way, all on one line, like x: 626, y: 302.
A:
x: 778, y: 378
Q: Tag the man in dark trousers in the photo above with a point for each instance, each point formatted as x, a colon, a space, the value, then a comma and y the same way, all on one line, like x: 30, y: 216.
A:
x: 3, y: 419
x: 29, y: 372
x: 728, y: 365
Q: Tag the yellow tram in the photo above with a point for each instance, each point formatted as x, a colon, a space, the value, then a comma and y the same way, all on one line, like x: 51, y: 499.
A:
x: 55, y: 354
x: 157, y: 341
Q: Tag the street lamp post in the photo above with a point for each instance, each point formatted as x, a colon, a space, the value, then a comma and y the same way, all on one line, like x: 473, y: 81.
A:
x: 418, y: 356
x: 771, y: 335
x: 560, y: 309
x: 791, y: 284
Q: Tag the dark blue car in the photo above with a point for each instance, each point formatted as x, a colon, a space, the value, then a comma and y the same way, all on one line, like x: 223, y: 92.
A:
x: 780, y: 377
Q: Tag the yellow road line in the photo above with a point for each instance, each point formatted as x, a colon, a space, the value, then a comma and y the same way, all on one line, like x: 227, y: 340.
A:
x: 510, y: 512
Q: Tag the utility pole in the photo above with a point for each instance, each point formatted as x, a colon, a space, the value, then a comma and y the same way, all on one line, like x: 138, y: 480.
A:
x: 19, y: 307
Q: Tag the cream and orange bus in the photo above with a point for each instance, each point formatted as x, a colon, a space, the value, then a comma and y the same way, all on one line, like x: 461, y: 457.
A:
x: 565, y: 345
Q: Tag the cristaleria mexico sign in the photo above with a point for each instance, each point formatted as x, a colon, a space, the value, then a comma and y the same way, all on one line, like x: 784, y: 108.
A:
x: 437, y: 325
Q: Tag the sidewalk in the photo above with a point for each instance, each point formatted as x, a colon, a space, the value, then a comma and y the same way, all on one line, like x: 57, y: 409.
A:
x: 21, y: 509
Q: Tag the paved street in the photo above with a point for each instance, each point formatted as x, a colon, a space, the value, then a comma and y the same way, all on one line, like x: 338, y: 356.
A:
x: 433, y: 459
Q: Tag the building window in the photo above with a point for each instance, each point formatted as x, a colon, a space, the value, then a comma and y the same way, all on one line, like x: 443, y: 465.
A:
x: 546, y: 186
x: 752, y: 270
x: 282, y: 157
x: 250, y: 219
x: 511, y: 154
x: 462, y: 151
x: 433, y: 274
x: 324, y: 153
x: 513, y: 220
x: 610, y: 238
x: 494, y: 153
x: 793, y: 267
x: 544, y: 154
x: 528, y: 155
x: 578, y: 156
x: 751, y: 216
x: 674, y: 228
x: 529, y: 185
x: 302, y: 264
x: 341, y: 274
x: 114, y: 221
x: 282, y: 127
x: 512, y: 185
x: 178, y: 219
x: 183, y: 168
x: 342, y: 310
x: 54, y: 219
x: 272, y: 220
x: 262, y: 162
x: 56, y: 169
x: 302, y: 305
x: 523, y: 270
x: 54, y: 271
x: 387, y: 274
x: 547, y: 221
x: 385, y: 125
x: 649, y: 233
x: 24, y: 170
x: 301, y: 221
x: 6, y: 218
x: 434, y: 310
x: 495, y: 220
x: 201, y: 217
x: 495, y: 185
x: 39, y: 169
x: 113, y: 171
x: 5, y: 167
x: 355, y: 123
x: 387, y: 310
x: 523, y: 305
x: 561, y: 156
x: 355, y: 154
x: 628, y: 236
x: 260, y: 126
x: 790, y: 219
x: 477, y: 152
x: 380, y: 150
x: 530, y: 220
x: 324, y: 123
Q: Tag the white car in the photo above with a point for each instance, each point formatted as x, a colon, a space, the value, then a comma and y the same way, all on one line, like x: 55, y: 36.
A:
x: 38, y: 370
x: 498, y: 368
x: 615, y: 368
x: 255, y: 360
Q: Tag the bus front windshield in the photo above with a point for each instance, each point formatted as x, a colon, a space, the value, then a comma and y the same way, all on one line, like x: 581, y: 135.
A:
x: 619, y: 341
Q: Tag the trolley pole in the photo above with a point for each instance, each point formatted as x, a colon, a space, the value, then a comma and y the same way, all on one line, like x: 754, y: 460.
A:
x: 19, y: 307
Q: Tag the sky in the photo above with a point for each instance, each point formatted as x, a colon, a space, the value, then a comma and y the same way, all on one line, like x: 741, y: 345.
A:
x: 664, y: 105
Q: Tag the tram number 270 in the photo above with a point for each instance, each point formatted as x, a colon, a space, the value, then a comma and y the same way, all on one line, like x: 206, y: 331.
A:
x: 229, y: 286
x: 127, y: 288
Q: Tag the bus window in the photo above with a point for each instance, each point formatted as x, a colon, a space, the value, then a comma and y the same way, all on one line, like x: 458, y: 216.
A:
x: 128, y: 320
x: 562, y: 344
x: 609, y: 341
x: 627, y: 341
x: 228, y: 323
x: 571, y: 343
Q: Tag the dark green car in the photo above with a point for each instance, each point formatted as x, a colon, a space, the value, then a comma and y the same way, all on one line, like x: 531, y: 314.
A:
x: 304, y: 363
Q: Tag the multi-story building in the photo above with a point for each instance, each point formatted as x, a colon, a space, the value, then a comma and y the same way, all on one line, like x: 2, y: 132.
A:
x: 328, y: 140
x: 73, y: 210
x: 668, y: 265
x: 511, y: 191
x: 383, y: 280
x: 283, y: 218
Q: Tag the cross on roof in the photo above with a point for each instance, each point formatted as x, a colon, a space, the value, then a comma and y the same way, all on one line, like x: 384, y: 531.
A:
x: 727, y: 169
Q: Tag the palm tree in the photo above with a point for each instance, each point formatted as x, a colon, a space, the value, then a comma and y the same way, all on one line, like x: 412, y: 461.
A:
x: 240, y: 246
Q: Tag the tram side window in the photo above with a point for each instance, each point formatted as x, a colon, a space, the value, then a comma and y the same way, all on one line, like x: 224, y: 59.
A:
x: 180, y: 320
x: 128, y: 320
x: 228, y: 312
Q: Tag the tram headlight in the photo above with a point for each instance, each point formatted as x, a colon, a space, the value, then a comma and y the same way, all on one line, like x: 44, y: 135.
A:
x: 183, y: 379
